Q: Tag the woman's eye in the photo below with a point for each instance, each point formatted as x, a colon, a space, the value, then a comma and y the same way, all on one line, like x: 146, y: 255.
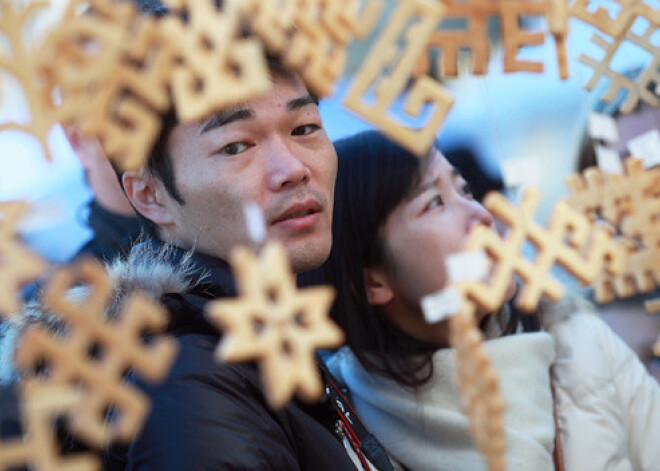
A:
x: 467, y: 191
x: 305, y: 130
x: 435, y: 202
x: 234, y: 148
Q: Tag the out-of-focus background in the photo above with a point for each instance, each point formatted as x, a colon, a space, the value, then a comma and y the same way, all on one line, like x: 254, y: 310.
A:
x: 533, y: 122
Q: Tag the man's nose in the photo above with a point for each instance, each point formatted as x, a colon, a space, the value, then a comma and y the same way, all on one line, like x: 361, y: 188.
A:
x: 285, y: 167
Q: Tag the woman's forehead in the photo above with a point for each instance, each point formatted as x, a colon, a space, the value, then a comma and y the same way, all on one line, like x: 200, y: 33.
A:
x: 436, y: 166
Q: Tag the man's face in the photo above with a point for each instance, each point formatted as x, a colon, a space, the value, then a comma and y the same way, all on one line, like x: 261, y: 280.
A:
x: 272, y: 151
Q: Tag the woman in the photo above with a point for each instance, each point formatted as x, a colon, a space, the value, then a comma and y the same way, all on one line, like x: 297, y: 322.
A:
x: 396, y: 219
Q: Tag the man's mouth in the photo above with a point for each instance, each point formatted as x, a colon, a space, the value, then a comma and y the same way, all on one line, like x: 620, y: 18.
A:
x: 299, y: 215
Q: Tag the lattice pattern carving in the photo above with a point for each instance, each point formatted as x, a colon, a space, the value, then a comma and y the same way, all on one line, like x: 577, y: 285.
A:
x: 37, y: 448
x: 447, y: 42
x: 387, y: 55
x: 630, y: 203
x: 571, y: 240
x: 476, y: 379
x: 18, y: 264
x: 95, y: 352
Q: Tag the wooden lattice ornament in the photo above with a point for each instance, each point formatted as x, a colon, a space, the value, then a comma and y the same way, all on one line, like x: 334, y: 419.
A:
x: 21, y: 62
x: 620, y: 30
x: 112, y: 69
x: 387, y: 55
x: 311, y: 36
x: 275, y: 324
x: 447, y: 42
x: 477, y: 383
x: 18, y: 264
x: 37, y: 448
x: 631, y: 204
x: 215, y: 67
x: 571, y: 240
x: 95, y: 352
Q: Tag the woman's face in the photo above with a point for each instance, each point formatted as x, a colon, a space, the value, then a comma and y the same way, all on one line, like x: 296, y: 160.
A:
x: 432, y: 223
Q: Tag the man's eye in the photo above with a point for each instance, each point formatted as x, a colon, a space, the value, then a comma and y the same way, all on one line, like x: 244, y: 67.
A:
x: 234, y: 148
x: 305, y: 130
x: 435, y: 202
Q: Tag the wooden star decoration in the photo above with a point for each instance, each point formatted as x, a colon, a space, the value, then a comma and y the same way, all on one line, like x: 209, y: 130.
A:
x: 275, y: 324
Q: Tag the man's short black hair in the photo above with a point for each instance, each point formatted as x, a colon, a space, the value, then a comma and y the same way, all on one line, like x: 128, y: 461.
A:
x: 159, y: 161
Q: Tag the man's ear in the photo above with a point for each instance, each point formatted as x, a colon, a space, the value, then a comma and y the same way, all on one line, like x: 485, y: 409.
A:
x: 147, y: 197
x: 377, y: 286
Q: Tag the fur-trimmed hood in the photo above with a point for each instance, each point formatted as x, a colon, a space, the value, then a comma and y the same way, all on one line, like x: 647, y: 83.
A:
x: 151, y: 268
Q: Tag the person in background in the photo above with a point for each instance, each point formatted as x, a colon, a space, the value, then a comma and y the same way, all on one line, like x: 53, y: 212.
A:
x: 566, y: 377
x: 112, y: 219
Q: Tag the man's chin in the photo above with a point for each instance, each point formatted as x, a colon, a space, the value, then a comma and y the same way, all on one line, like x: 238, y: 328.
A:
x: 306, y: 255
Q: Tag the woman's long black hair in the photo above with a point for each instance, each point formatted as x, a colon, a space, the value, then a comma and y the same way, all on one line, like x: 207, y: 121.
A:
x: 375, y: 175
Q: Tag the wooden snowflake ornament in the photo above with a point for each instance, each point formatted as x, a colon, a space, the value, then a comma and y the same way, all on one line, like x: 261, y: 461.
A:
x: 38, y: 447
x: 275, y: 324
x: 94, y: 353
x: 21, y: 62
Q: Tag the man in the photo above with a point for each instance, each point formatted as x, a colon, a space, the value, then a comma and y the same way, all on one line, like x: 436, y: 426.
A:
x: 273, y: 151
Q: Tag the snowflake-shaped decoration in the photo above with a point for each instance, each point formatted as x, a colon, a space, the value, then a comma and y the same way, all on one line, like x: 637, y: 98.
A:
x: 275, y: 324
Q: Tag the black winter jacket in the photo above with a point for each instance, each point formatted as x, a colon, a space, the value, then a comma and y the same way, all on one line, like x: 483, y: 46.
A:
x: 210, y: 416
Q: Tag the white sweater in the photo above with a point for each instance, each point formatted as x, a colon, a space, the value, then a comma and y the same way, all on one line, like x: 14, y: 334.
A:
x: 608, y: 405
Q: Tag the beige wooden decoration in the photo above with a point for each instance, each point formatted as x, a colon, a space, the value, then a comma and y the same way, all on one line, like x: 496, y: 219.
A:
x: 617, y: 27
x: 271, y: 21
x: 310, y: 36
x: 215, y: 67
x: 636, y: 89
x: 18, y: 264
x: 620, y: 29
x: 37, y: 448
x: 324, y: 28
x: 653, y: 307
x: 631, y: 204
x: 94, y: 353
x: 475, y: 36
x: 385, y: 55
x: 111, y: 68
x: 275, y: 324
x: 20, y: 61
x: 477, y: 383
x: 570, y: 240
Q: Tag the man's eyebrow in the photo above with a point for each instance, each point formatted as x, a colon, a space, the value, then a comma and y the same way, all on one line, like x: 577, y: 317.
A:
x: 224, y: 118
x: 298, y: 103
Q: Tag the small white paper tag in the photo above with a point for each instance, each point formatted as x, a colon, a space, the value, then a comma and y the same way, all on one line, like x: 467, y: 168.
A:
x: 441, y: 305
x: 521, y: 172
x: 254, y: 220
x: 467, y: 266
x: 646, y: 147
x: 608, y: 160
x: 602, y: 126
